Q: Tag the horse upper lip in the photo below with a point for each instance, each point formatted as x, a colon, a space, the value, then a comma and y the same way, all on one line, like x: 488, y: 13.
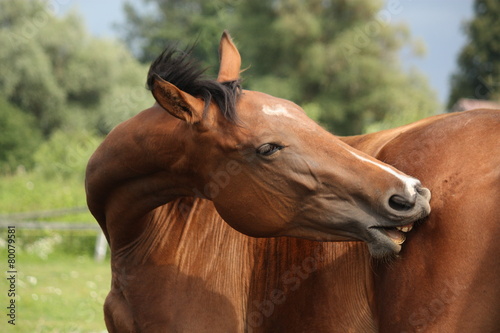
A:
x: 403, y: 228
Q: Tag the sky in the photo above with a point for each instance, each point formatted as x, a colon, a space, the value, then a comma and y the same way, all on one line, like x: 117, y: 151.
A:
x: 438, y: 23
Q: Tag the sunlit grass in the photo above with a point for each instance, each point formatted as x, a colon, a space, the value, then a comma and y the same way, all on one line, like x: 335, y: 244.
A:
x: 32, y: 192
x: 59, y: 287
x: 59, y: 294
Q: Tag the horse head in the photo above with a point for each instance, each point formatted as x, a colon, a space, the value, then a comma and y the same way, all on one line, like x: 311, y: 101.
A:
x: 269, y: 169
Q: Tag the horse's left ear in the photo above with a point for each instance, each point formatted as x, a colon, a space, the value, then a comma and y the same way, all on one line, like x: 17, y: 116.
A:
x: 230, y: 59
x: 178, y: 103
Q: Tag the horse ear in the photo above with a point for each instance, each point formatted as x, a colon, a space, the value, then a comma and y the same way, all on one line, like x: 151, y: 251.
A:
x: 177, y: 102
x: 230, y: 59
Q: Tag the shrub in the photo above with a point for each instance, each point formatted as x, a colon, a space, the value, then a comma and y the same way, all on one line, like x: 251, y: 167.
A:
x: 19, y: 137
x: 65, y: 154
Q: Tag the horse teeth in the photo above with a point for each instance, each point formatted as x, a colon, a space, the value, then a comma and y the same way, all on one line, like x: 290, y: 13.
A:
x: 405, y: 228
x: 400, y: 241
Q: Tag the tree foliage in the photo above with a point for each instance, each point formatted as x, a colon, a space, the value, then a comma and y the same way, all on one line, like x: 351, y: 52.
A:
x: 147, y: 31
x: 51, y: 68
x: 59, y: 81
x: 478, y: 74
x: 19, y: 137
x: 65, y: 154
x: 338, y: 59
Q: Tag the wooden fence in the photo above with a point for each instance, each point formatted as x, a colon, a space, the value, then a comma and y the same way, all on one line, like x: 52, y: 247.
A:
x: 31, y: 220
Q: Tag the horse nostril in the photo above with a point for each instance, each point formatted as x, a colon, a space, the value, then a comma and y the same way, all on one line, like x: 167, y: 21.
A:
x: 400, y: 203
x: 424, y: 192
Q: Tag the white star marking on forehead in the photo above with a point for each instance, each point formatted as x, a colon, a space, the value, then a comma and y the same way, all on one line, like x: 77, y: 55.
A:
x: 277, y: 110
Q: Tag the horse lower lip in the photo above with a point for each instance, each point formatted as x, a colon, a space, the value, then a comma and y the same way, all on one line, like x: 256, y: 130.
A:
x: 396, y: 236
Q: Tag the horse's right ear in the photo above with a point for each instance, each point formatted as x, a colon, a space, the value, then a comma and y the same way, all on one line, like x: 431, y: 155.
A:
x: 178, y: 103
x: 230, y: 59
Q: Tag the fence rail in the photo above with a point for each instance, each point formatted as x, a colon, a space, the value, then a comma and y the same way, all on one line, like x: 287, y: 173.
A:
x: 28, y: 220
x: 43, y: 214
x: 49, y: 225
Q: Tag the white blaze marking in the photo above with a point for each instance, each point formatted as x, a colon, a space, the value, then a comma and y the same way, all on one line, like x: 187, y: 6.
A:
x: 277, y: 110
x: 408, y: 181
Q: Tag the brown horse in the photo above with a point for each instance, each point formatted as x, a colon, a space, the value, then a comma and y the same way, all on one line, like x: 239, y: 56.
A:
x: 447, y: 278
x: 268, y: 168
x: 179, y: 267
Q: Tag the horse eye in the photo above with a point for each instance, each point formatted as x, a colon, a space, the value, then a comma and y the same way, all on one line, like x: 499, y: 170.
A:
x: 268, y: 149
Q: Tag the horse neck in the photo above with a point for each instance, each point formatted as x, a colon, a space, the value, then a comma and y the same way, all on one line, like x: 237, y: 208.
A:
x: 189, y: 235
x: 187, y: 231
x: 140, y: 165
x: 327, y: 282
x: 186, y: 241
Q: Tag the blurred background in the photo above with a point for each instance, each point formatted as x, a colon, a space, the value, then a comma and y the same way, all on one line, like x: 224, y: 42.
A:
x: 71, y: 70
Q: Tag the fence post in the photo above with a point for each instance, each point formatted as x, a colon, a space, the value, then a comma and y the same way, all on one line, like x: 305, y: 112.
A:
x: 101, y: 246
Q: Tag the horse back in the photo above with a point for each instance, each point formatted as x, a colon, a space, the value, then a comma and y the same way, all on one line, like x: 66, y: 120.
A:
x: 446, y: 278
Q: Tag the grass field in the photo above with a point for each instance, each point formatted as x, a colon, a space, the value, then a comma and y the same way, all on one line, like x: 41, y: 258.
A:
x: 32, y: 192
x: 59, y: 294
x: 59, y: 287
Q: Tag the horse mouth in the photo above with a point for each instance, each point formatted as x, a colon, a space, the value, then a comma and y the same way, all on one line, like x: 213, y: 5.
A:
x: 397, y: 234
x: 387, y: 241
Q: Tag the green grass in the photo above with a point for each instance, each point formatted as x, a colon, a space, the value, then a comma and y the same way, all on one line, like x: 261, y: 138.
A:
x: 60, y: 294
x: 56, y: 180
x: 60, y: 288
x: 32, y: 192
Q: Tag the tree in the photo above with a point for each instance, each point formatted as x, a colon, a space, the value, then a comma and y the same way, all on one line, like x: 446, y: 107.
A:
x: 148, y: 31
x: 26, y: 79
x: 478, y: 74
x: 52, y: 69
x: 337, y: 59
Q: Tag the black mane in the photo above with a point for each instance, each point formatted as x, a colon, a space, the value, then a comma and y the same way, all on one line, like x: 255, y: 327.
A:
x: 178, y: 68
